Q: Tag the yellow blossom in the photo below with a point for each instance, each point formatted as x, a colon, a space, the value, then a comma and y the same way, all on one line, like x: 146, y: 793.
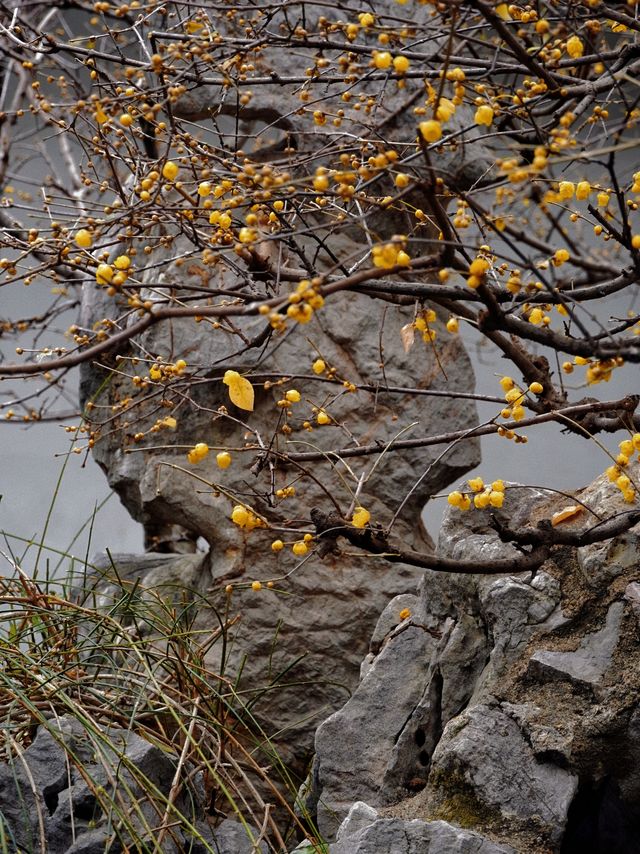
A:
x: 575, y: 47
x: 83, y: 238
x: 431, y: 131
x: 170, y: 170
x: 484, y: 115
x: 360, y: 517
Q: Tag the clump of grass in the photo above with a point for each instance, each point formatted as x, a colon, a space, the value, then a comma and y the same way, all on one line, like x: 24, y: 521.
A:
x: 134, y: 662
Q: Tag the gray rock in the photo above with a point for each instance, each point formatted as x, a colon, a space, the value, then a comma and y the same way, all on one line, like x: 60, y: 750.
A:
x: 463, y: 535
x: 632, y: 596
x: 397, y: 836
x: 360, y: 815
x: 322, y: 625
x: 305, y: 847
x: 602, y: 562
x: 587, y: 664
x: 484, y: 764
x: 95, y: 841
x: 390, y: 619
x: 506, y: 727
x: 231, y: 837
x: 174, y: 578
x: 123, y: 763
x: 22, y: 812
x: 515, y: 610
x: 454, y: 668
x: 45, y: 796
x: 547, y: 742
x: 33, y: 787
x: 354, y: 745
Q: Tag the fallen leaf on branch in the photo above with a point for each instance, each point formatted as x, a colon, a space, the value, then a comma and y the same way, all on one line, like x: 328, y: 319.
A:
x: 407, y: 334
x: 240, y: 390
x: 566, y: 513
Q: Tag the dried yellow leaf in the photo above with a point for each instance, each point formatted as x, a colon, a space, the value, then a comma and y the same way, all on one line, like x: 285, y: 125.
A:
x: 407, y: 334
x: 240, y: 390
x: 566, y: 513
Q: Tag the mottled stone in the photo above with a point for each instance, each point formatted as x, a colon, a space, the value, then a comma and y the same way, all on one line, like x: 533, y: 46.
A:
x: 355, y: 743
x: 484, y: 757
x: 53, y: 797
x: 397, y: 836
x: 531, y: 687
x: 587, y: 664
x: 632, y: 596
x: 319, y: 618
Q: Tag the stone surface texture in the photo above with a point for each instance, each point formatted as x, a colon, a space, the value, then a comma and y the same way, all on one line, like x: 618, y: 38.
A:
x: 58, y: 796
x: 364, y: 832
x: 504, y: 707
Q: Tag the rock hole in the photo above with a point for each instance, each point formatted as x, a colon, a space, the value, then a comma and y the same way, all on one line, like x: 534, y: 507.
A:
x: 599, y: 821
x: 51, y: 801
x: 86, y: 808
x: 420, y: 737
x: 424, y: 758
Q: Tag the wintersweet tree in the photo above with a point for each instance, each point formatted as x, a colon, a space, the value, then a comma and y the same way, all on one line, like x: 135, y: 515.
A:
x: 254, y: 176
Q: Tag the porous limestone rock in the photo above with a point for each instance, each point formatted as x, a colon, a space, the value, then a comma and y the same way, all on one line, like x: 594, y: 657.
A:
x: 525, y: 727
x: 314, y: 625
x: 589, y: 662
x: 384, y: 700
x: 298, y: 645
x: 58, y: 796
x: 364, y: 832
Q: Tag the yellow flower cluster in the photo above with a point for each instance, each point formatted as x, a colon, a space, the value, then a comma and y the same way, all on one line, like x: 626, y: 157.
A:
x: 431, y: 130
x: 484, y: 115
x: 110, y: 276
x: 170, y: 170
x: 299, y: 548
x: 166, y: 423
x: 198, y: 453
x: 536, y: 314
x: 223, y: 459
x: 286, y: 492
x: 305, y: 300
x: 160, y: 372
x: 83, y: 238
x: 221, y: 219
x: 388, y: 255
x: 360, y: 517
x: 575, y: 47
x: 291, y: 396
x: 422, y: 324
x: 514, y: 396
x: 616, y: 474
x: 322, y: 417
x: 245, y: 518
x: 598, y: 370
x: 477, y: 271
x: 383, y: 60
x: 489, y: 495
x: 517, y: 170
